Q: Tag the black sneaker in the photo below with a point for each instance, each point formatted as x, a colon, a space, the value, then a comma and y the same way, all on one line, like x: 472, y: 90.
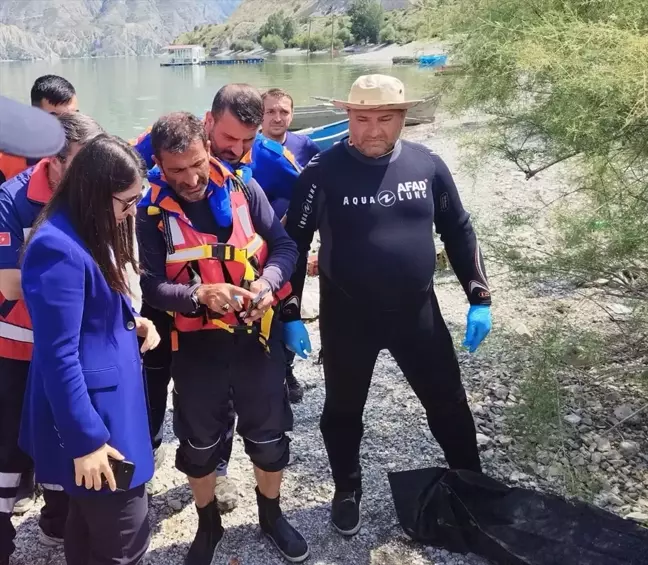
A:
x: 208, y: 537
x: 290, y: 543
x: 345, y: 512
x: 295, y: 390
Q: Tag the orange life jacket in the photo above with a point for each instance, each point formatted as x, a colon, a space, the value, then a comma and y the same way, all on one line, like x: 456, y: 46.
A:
x: 16, y: 336
x: 193, y: 256
x: 10, y: 166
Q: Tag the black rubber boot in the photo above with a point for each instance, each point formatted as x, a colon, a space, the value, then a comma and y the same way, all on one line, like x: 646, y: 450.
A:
x: 290, y: 543
x: 295, y: 389
x: 208, y: 536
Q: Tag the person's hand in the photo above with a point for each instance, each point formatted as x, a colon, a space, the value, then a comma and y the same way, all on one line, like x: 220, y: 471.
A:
x: 312, y: 266
x: 88, y: 470
x: 148, y: 332
x: 222, y: 297
x: 296, y: 338
x: 478, y: 326
x: 258, y: 286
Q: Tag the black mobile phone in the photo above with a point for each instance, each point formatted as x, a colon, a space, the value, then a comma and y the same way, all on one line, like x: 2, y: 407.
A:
x: 123, y: 471
x: 255, y: 301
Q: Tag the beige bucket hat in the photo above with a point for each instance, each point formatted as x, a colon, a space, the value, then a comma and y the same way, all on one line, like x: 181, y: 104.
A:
x: 376, y: 92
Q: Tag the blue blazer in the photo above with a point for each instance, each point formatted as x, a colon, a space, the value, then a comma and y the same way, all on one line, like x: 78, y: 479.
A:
x: 85, y: 384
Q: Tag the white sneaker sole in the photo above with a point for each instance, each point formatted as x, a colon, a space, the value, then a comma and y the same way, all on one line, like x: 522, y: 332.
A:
x: 49, y: 541
x: 353, y: 531
x: 299, y: 559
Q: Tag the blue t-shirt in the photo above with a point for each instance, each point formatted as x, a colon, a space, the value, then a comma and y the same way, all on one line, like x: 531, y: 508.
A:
x: 301, y: 146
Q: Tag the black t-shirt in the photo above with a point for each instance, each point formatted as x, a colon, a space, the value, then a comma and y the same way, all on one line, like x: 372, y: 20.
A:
x: 376, y: 219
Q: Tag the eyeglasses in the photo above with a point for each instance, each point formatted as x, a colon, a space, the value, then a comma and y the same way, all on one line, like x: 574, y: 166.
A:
x: 128, y: 204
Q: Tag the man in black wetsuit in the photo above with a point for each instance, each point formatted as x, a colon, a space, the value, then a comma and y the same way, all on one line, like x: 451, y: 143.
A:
x: 375, y: 199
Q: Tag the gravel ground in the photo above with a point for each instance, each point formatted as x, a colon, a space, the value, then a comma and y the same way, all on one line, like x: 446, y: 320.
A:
x: 396, y: 436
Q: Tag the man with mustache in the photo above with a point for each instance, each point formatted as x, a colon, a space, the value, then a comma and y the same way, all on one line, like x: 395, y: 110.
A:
x: 376, y: 200
x: 232, y: 126
x: 215, y: 255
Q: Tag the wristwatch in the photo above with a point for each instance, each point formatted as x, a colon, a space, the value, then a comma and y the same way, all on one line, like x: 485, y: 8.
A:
x: 194, y: 298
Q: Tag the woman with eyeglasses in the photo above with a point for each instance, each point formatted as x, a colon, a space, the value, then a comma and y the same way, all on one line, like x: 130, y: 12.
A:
x: 85, y: 417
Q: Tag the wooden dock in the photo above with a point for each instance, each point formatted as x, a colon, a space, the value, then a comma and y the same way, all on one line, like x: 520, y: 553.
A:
x: 235, y: 61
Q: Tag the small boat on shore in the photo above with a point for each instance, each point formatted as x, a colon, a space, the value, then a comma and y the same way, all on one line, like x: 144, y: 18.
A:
x: 327, y: 135
x: 316, y: 116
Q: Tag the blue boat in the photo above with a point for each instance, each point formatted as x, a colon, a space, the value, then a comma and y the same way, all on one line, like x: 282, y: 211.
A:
x: 328, y: 135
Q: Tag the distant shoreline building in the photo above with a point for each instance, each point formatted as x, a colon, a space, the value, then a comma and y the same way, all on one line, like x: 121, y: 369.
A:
x: 185, y: 54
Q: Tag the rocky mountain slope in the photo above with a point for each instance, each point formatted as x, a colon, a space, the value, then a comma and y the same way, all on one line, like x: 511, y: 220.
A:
x: 36, y: 29
x: 250, y: 15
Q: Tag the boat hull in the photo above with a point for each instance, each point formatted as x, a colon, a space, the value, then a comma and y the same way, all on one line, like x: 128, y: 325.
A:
x: 328, y: 135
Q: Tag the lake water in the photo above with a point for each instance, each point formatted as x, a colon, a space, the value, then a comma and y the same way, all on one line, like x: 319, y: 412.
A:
x: 126, y: 95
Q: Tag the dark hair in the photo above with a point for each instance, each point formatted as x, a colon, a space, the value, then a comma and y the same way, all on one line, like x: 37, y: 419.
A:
x: 55, y: 89
x: 175, y: 132
x: 78, y: 128
x: 105, y: 166
x: 278, y: 93
x: 242, y: 100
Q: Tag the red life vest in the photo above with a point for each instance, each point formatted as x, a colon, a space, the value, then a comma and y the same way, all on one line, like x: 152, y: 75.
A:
x: 239, y: 261
x: 16, y: 336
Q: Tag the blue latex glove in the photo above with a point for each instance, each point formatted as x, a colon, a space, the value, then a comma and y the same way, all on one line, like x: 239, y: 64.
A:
x: 479, y: 324
x: 296, y: 338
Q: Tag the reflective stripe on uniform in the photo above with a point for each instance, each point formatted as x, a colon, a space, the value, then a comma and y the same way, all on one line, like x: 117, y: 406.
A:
x: 244, y: 218
x: 9, y: 480
x: 190, y: 254
x: 263, y: 442
x: 7, y: 505
x: 16, y: 333
x: 254, y: 245
x: 52, y: 487
x: 176, y: 232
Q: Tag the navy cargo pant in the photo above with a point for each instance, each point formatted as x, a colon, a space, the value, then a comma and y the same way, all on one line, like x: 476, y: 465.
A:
x: 157, y: 375
x: 213, y: 367
x: 13, y: 462
x: 418, y: 339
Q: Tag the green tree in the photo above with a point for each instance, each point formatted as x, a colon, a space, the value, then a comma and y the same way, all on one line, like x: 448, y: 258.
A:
x: 278, y: 24
x: 242, y: 45
x: 388, y: 34
x: 289, y: 29
x: 318, y: 42
x: 366, y: 20
x: 344, y: 35
x: 272, y: 43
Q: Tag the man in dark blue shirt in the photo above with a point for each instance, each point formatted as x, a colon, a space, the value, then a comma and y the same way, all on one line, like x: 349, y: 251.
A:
x: 277, y: 116
x: 375, y: 200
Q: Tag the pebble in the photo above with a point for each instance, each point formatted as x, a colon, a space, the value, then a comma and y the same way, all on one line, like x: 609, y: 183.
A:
x: 626, y: 411
x: 501, y: 392
x: 483, y: 440
x: 174, y: 504
x: 573, y: 419
x: 641, y: 517
x: 603, y: 444
x: 629, y: 448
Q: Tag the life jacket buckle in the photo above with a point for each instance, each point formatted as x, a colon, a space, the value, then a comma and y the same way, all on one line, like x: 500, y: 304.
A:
x: 245, y: 329
x: 223, y: 251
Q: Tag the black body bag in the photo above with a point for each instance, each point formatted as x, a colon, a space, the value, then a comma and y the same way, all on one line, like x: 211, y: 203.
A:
x: 464, y: 512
